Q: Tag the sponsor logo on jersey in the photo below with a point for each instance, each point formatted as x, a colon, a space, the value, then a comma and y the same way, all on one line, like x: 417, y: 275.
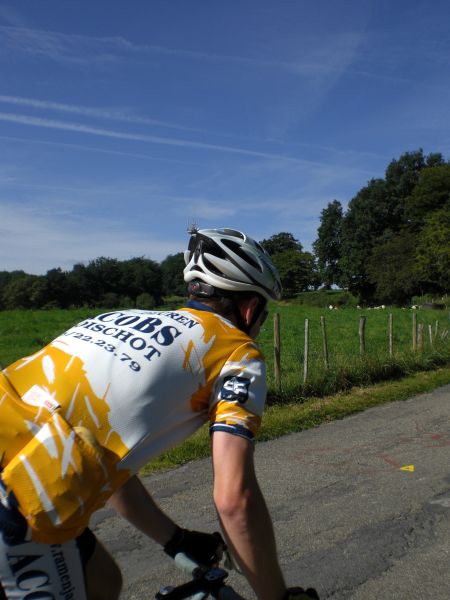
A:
x: 235, y: 388
x: 42, y: 571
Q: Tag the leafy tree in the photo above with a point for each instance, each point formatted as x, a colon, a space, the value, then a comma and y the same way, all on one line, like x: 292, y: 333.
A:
x: 110, y: 300
x: 392, y: 268
x: 109, y: 282
x: 172, y: 275
x: 57, y: 291
x: 381, y: 212
x: 327, y: 247
x: 432, y: 192
x: 5, y: 278
x: 402, y: 176
x: 38, y: 293
x: 16, y: 293
x: 402, y: 173
x: 145, y: 301
x: 378, y: 210
x: 127, y: 302
x: 433, y: 250
x: 79, y: 285
x: 297, y: 268
x: 139, y: 275
x: 295, y: 271
x: 103, y: 275
x: 363, y: 223
x: 281, y: 242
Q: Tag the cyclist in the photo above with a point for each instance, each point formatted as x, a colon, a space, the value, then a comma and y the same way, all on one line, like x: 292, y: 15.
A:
x: 81, y: 416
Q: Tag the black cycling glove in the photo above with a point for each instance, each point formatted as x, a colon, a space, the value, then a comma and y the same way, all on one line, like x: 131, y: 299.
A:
x: 204, y: 548
x: 298, y: 593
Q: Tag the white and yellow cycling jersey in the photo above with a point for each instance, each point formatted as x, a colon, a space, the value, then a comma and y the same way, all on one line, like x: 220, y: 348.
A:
x: 92, y: 407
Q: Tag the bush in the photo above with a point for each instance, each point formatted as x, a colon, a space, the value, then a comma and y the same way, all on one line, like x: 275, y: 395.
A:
x: 325, y: 298
x: 109, y: 300
x: 145, y: 301
x: 173, y: 302
x: 443, y: 301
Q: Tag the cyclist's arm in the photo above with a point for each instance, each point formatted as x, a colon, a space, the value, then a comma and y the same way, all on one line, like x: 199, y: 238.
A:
x: 133, y: 502
x: 243, y: 513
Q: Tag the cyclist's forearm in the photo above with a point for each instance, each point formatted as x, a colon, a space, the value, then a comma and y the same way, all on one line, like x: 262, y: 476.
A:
x: 134, y: 503
x: 249, y: 532
x: 243, y: 512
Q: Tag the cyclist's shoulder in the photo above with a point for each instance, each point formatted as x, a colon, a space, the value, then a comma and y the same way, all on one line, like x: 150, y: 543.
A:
x: 228, y: 341
x: 217, y: 325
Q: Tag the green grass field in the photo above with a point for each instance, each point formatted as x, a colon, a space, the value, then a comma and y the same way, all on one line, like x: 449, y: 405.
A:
x: 349, y: 385
x: 346, y: 367
x: 23, y: 332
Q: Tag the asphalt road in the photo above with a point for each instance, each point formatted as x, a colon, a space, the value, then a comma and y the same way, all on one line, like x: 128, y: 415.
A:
x: 349, y: 520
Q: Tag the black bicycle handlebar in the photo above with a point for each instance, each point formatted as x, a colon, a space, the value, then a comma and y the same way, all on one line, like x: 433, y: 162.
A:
x: 205, y: 582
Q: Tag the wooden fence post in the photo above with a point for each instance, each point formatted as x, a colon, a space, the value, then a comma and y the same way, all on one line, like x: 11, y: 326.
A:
x: 362, y: 335
x: 391, y: 335
x: 419, y: 338
x: 324, y: 342
x: 414, y: 331
x: 306, y: 354
x: 430, y: 333
x: 277, y: 349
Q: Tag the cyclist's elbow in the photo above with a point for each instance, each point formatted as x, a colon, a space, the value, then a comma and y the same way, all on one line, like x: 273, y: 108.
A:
x: 232, y: 505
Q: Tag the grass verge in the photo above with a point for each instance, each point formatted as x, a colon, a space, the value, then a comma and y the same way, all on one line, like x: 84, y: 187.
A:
x: 288, y: 418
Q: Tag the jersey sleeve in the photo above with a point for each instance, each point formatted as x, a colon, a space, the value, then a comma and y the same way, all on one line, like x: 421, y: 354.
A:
x: 239, y: 393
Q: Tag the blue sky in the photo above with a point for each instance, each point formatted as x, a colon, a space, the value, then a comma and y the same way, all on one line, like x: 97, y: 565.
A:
x: 123, y: 122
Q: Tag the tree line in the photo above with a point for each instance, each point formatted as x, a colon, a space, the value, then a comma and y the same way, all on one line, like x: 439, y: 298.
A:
x: 392, y: 243
x: 103, y: 282
x: 139, y: 282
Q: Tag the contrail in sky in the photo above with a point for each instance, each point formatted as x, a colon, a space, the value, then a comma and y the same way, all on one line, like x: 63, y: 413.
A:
x: 79, y: 128
x: 92, y: 112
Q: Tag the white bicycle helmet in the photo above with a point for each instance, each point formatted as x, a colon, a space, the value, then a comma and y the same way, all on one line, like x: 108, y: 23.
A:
x: 229, y: 260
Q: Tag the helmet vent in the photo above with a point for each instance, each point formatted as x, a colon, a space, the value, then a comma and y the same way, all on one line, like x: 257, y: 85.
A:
x: 209, y: 265
x: 212, y: 248
x: 232, y: 233
x: 236, y: 248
